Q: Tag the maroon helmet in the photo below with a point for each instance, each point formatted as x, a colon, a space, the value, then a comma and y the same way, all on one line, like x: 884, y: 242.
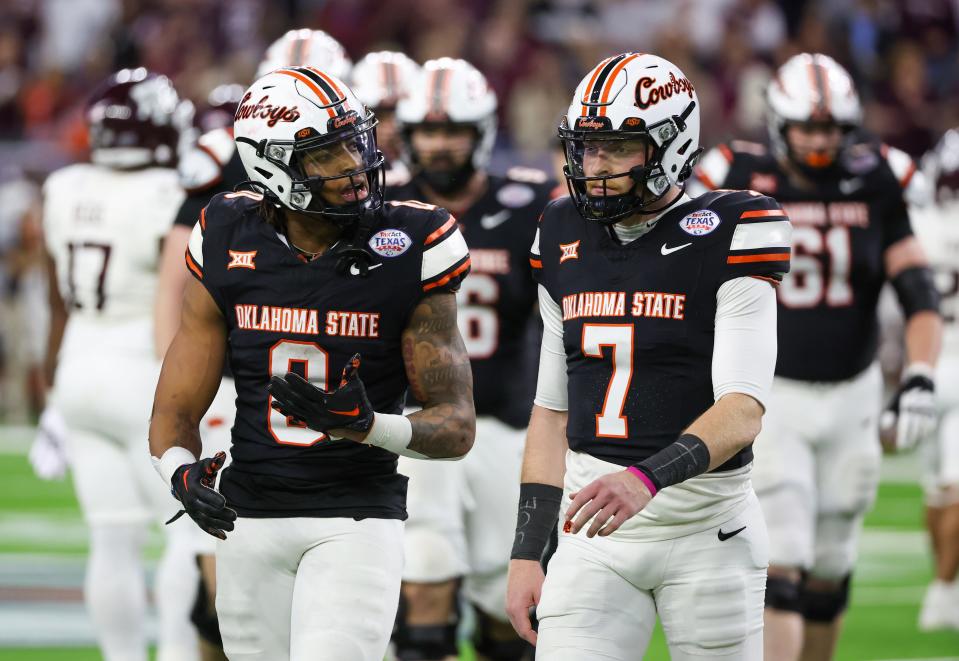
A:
x: 136, y: 119
x: 942, y: 167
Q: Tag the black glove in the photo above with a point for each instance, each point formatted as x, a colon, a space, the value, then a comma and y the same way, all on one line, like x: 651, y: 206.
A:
x: 192, y: 485
x: 347, y: 407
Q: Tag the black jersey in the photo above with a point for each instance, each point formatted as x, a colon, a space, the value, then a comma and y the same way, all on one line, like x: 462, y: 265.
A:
x: 283, y: 314
x: 639, y: 318
x: 828, y: 323
x: 212, y: 166
x: 496, y: 302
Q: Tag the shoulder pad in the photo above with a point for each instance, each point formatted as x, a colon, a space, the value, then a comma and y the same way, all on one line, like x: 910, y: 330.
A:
x: 557, y: 206
x: 713, y: 167
x: 912, y: 181
x: 527, y: 175
x: 754, y: 232
x: 202, y: 166
x: 223, y: 208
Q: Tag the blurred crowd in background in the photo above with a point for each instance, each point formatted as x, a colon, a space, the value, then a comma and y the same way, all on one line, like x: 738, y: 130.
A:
x: 904, y: 55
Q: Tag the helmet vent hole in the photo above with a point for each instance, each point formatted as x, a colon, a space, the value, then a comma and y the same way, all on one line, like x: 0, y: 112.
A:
x: 682, y: 150
x: 266, y: 174
x: 673, y: 169
x: 280, y: 188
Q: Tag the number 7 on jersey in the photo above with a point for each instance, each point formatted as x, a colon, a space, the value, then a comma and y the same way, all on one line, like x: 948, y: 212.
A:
x: 610, y: 421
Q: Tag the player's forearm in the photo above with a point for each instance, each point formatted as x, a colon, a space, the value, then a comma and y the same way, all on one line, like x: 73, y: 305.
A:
x: 440, y: 376
x: 923, y: 337
x: 188, y: 383
x: 729, y: 425
x: 444, y: 431
x: 544, y: 459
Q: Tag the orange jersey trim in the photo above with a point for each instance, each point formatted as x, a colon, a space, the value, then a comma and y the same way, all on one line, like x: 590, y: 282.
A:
x: 726, y: 152
x: 768, y: 257
x: 440, y: 232
x: 706, y: 181
x: 536, y: 263
x: 906, y: 178
x: 203, y: 219
x: 309, y: 83
x: 192, y: 265
x: 447, y: 277
x: 772, y: 281
x: 763, y: 213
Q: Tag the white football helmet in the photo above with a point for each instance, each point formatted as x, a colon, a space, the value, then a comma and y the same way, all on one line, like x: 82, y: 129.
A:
x: 632, y: 96
x: 450, y: 92
x: 382, y: 78
x: 292, y: 119
x: 307, y: 48
x: 810, y: 88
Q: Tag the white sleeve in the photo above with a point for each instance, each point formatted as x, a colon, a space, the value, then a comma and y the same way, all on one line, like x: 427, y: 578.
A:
x: 551, y: 390
x: 744, y: 349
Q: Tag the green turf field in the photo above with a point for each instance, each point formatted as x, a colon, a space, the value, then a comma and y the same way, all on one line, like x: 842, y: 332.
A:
x: 42, y: 518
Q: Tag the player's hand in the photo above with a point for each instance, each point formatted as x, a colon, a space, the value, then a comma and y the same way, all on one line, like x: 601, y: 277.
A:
x: 523, y: 589
x: 608, y: 501
x: 346, y: 408
x: 193, y: 486
x: 911, y: 414
x: 48, y: 454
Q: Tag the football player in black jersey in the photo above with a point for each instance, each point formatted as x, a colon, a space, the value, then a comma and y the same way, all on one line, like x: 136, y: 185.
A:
x: 380, y: 79
x: 658, y: 351
x: 461, y: 514
x: 817, y: 460
x: 213, y: 166
x: 329, y: 304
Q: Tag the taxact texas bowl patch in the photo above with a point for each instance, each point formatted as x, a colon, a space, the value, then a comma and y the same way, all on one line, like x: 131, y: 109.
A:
x: 390, y: 243
x: 700, y: 222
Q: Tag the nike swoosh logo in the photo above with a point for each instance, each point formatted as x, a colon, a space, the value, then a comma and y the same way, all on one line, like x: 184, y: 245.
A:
x: 494, y: 220
x: 354, y: 270
x: 723, y: 536
x: 666, y: 251
x: 355, y: 412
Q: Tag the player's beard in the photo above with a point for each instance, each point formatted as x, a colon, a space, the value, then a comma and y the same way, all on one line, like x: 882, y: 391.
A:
x: 444, y: 176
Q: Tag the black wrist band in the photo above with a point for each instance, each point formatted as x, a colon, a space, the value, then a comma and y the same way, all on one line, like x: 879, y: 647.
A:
x: 687, y: 457
x: 535, y: 520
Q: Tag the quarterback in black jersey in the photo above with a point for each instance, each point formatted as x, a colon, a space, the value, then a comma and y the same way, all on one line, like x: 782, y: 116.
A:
x: 448, y: 124
x: 658, y: 349
x: 213, y: 165
x: 817, y: 459
x: 329, y: 304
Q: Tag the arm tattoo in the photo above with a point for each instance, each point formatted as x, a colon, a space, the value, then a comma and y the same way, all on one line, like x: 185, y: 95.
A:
x: 438, y: 369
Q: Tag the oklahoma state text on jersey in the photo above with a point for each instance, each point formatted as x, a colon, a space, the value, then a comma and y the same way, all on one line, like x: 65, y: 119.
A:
x: 842, y: 225
x: 283, y: 314
x: 638, y: 319
x: 497, y: 300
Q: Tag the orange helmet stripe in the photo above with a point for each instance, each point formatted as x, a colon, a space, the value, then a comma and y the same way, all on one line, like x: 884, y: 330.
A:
x: 589, y: 86
x: 612, y: 77
x: 324, y: 100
